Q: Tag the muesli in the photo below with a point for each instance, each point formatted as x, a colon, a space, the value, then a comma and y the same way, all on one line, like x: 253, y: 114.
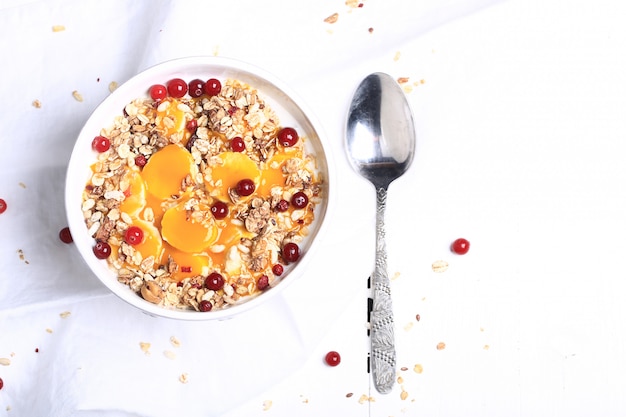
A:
x: 199, y: 197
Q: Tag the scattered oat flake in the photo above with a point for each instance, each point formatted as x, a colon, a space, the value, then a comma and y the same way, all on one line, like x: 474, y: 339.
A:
x: 407, y: 88
x: 395, y: 276
x: 36, y: 104
x: 441, y: 346
x: 440, y: 266
x: 486, y: 347
x: 404, y: 395
x: 22, y: 256
x: 113, y: 86
x: 184, y: 377
x: 145, y: 347
x: 78, y: 96
x: 408, y: 326
x: 58, y: 28
x: 418, y: 368
x: 5, y: 361
x: 352, y: 3
x: 169, y: 354
x: 400, y: 380
x: 403, y: 80
x: 396, y: 57
x: 364, y: 398
x: 49, y: 330
x: 267, y: 404
x: 65, y: 314
x: 174, y: 341
x: 21, y: 184
x: 332, y: 18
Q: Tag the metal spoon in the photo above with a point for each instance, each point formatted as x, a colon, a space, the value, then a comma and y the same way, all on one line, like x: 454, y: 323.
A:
x: 380, y: 142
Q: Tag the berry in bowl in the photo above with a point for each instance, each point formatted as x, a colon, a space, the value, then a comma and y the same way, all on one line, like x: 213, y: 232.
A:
x: 198, y: 189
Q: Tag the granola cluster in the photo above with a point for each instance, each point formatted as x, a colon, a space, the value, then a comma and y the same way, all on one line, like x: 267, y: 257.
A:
x: 261, y: 222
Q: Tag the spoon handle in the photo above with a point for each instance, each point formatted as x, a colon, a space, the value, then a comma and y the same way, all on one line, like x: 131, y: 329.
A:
x: 381, y: 318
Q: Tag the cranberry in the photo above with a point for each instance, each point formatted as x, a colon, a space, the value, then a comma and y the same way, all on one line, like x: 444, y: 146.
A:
x: 134, y: 235
x: 460, y: 246
x: 237, y: 144
x: 283, y: 205
x: 333, y: 358
x: 219, y: 210
x: 177, y: 87
x: 1, y: 383
x: 100, y: 144
x: 291, y: 252
x: 278, y: 269
x: 65, y: 235
x: 205, y: 305
x: 102, y: 250
x: 215, y: 281
x: 158, y: 92
x: 196, y: 88
x: 300, y: 200
x: 192, y: 125
x: 245, y: 187
x: 3, y: 206
x: 287, y: 136
x: 212, y: 87
x: 263, y: 282
x: 140, y: 161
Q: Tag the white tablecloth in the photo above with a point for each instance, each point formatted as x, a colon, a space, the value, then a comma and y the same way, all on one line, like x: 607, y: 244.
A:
x: 521, y: 121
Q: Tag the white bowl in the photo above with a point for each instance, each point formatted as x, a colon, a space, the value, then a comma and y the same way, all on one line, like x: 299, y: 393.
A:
x: 289, y: 108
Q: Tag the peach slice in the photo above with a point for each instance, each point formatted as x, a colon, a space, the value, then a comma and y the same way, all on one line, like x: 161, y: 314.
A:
x: 232, y: 168
x: 152, y: 244
x: 135, y: 193
x: 189, y: 264
x: 273, y: 175
x: 189, y: 231
x: 165, y: 171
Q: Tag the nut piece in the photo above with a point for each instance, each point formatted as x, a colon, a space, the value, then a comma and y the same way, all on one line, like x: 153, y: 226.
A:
x: 150, y: 291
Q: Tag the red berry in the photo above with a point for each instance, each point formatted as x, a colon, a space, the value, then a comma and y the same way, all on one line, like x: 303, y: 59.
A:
x: 65, y: 235
x: 283, y: 205
x: 196, y: 88
x: 192, y: 125
x: 102, y: 250
x: 158, y: 92
x: 278, y: 269
x: 460, y: 246
x: 245, y: 187
x: 219, y: 210
x: 263, y: 282
x: 1, y: 383
x: 177, y: 87
x: 291, y: 252
x: 215, y: 281
x: 287, y: 137
x: 3, y: 206
x: 140, y: 161
x: 100, y: 144
x: 237, y: 144
x: 134, y: 235
x: 333, y: 358
x: 299, y: 200
x: 205, y: 305
x: 212, y: 87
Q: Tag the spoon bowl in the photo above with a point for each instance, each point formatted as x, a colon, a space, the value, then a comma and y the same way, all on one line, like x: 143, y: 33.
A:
x: 380, y: 143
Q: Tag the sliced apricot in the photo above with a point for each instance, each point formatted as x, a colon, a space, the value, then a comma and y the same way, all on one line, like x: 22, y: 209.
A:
x: 152, y: 244
x: 166, y: 169
x: 231, y: 168
x: 135, y: 193
x: 189, y: 231
x: 189, y: 264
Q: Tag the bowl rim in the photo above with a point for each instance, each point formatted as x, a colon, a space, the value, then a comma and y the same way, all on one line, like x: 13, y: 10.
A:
x: 84, y: 242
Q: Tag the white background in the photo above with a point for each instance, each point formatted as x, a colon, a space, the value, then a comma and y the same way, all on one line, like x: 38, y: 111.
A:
x: 521, y: 125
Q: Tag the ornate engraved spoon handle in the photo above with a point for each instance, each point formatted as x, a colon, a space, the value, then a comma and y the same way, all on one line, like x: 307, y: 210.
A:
x: 381, y: 319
